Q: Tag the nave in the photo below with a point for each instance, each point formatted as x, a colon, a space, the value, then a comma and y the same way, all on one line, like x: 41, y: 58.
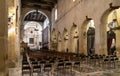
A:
x: 52, y: 63
x: 73, y: 37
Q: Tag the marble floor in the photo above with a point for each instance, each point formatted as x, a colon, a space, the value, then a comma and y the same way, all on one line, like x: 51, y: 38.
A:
x: 85, y: 70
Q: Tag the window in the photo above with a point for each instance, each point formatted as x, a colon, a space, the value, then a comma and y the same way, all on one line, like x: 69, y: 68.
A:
x: 31, y: 40
x: 55, y: 13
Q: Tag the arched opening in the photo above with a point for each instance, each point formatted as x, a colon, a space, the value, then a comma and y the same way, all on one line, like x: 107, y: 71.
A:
x: 59, y: 42
x: 111, y: 21
x: 88, y: 37
x: 33, y: 35
x: 36, y: 30
x: 65, y: 40
x: 74, y: 39
x: 53, y: 40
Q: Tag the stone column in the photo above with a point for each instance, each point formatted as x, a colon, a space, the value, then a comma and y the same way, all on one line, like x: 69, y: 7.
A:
x: 3, y: 38
x: 98, y: 38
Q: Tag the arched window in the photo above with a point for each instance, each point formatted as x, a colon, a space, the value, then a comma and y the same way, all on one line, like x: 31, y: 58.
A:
x: 56, y: 12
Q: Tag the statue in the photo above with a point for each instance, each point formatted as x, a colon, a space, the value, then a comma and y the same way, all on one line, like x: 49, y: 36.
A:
x: 113, y: 24
x: 111, y: 40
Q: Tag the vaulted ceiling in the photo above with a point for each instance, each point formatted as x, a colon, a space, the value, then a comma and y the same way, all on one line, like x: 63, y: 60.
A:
x: 41, y: 4
x: 37, y: 4
x: 35, y: 16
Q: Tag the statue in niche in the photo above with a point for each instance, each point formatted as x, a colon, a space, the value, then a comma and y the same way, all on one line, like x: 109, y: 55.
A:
x: 90, y: 40
x: 111, y: 37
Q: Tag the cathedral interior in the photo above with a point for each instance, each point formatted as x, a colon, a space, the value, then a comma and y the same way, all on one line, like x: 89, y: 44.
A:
x: 60, y: 37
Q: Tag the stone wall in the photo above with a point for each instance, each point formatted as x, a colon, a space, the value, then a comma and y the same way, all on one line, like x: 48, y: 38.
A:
x: 3, y: 38
x: 70, y: 12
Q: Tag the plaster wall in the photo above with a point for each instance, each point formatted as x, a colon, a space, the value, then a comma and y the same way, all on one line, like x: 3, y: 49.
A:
x: 3, y: 38
x: 70, y: 12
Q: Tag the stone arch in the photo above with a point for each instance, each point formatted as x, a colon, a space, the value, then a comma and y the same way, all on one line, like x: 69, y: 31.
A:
x: 65, y: 39
x: 26, y: 11
x: 59, y: 41
x: 32, y: 30
x: 84, y: 36
x: 88, y: 36
x: 105, y: 20
x: 44, y: 24
x: 74, y: 38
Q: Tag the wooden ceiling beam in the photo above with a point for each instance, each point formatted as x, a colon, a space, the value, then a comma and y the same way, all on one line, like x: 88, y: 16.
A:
x: 34, y: 16
x: 43, y: 4
x: 38, y: 4
x: 37, y: 7
x: 41, y: 1
x: 35, y: 3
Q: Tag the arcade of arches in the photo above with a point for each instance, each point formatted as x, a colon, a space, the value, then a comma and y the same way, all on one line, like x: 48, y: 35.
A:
x: 74, y: 27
